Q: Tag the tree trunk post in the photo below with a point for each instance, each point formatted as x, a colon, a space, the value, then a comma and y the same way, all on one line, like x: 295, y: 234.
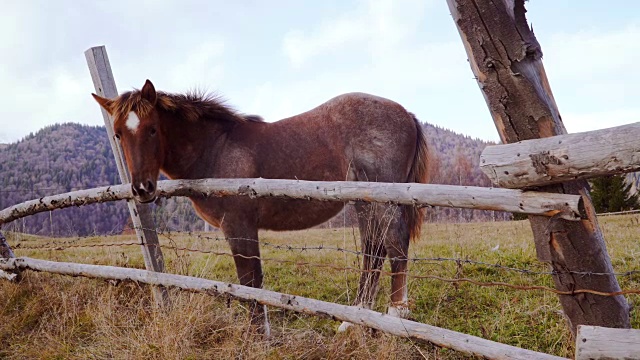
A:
x: 105, y: 86
x: 7, y: 253
x: 506, y: 59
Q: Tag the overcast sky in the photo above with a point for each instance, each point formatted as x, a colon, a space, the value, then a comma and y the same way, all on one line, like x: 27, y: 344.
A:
x: 277, y: 58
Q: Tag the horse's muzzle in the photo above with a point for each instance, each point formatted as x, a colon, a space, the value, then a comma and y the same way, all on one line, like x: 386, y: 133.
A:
x: 144, y: 191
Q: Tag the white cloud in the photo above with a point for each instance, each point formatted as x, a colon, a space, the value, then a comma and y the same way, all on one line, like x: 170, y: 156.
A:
x: 414, y: 77
x: 392, y: 59
x: 591, y: 71
x: 45, y: 79
x: 587, y: 121
x: 594, y: 76
x: 202, y: 63
x: 587, y: 53
x: 405, y: 50
x: 374, y: 26
x: 299, y: 47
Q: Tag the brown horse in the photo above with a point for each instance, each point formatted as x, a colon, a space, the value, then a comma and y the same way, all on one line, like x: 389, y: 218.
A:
x: 355, y: 137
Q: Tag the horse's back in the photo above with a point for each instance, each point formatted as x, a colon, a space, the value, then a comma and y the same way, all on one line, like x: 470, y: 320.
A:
x: 379, y: 135
x: 362, y: 107
x: 354, y: 137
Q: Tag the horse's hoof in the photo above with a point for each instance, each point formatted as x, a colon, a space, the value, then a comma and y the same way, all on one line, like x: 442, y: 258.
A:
x: 265, y: 327
x: 260, y: 323
x: 402, y: 312
x: 344, y: 326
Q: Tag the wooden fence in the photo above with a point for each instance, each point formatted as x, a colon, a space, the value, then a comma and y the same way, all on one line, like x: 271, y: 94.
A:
x: 506, y: 60
x: 393, y: 325
x: 513, y: 81
x: 528, y: 202
x: 551, y: 205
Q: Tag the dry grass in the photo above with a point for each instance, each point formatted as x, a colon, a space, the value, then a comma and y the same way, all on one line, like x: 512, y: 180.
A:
x: 55, y: 317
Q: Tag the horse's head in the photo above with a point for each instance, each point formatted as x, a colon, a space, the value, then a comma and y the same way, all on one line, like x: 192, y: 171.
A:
x: 136, y: 124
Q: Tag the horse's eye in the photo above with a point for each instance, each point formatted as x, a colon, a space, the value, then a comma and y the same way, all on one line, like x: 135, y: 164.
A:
x: 117, y: 136
x: 152, y: 131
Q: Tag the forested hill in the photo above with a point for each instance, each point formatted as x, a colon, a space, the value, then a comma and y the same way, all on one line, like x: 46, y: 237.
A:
x: 456, y: 157
x: 58, y: 159
x: 69, y: 157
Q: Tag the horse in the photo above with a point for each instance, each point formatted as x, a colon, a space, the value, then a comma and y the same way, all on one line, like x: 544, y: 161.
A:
x: 352, y: 137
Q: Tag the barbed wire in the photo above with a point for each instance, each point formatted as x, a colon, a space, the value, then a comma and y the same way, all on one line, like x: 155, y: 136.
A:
x: 619, y: 213
x: 382, y: 272
x: 45, y: 189
x: 72, y: 244
x: 458, y: 261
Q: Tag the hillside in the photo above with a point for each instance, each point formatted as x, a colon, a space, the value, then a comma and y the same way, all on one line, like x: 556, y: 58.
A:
x: 69, y: 157
x: 456, y: 162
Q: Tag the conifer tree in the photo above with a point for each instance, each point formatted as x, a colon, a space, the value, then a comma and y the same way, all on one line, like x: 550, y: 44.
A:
x: 611, y: 193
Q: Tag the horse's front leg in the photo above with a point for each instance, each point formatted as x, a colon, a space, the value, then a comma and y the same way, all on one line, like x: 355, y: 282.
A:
x: 243, y: 240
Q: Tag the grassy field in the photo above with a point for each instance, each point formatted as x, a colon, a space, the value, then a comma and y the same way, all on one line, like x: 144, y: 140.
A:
x: 57, y: 317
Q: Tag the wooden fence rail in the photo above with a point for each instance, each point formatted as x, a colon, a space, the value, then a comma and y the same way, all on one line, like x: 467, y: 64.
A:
x: 396, y: 326
x: 596, y: 342
x: 560, y: 158
x: 564, y: 206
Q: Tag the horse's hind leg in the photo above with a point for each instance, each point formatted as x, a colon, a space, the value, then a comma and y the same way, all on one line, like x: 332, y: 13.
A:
x: 390, y: 237
x: 243, y: 240
x: 397, y: 246
x: 374, y: 252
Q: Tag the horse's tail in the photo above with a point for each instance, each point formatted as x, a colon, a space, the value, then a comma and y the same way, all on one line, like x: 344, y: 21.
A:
x: 418, y: 174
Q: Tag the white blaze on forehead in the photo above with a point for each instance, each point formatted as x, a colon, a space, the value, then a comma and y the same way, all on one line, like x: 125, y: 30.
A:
x: 132, y: 122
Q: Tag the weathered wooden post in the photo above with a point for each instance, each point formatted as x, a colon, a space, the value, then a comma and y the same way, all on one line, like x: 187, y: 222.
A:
x: 6, y: 253
x: 105, y: 86
x: 506, y: 59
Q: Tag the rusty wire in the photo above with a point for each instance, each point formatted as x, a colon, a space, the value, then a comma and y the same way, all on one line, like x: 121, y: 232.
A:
x: 169, y: 235
x: 460, y: 262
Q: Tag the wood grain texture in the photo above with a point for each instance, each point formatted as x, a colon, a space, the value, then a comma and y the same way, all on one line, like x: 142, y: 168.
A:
x: 467, y: 344
x: 562, y: 158
x: 595, y: 342
x: 527, y: 202
x: 506, y: 60
x: 105, y: 86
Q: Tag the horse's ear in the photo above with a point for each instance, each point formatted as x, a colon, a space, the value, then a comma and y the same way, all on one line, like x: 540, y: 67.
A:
x: 104, y: 103
x: 149, y: 92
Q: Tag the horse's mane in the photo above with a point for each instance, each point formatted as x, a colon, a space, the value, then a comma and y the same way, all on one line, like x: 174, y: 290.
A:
x: 192, y: 106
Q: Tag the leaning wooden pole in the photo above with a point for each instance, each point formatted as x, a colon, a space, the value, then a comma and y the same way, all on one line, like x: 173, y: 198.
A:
x: 507, y: 61
x: 105, y: 86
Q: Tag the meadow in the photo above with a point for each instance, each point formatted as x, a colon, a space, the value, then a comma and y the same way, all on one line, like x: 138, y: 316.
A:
x: 58, y: 317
